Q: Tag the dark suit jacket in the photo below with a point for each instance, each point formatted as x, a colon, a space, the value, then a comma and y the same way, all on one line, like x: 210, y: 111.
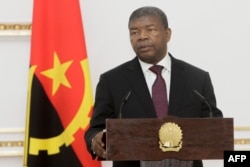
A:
x: 116, y: 83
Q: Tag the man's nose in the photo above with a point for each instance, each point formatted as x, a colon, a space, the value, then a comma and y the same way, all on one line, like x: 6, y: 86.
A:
x: 143, y: 35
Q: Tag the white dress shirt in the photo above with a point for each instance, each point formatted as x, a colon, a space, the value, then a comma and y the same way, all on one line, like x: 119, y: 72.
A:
x: 150, y: 76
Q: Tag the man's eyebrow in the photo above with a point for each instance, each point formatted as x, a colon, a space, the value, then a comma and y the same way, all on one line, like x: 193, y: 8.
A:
x: 150, y: 25
x: 135, y: 28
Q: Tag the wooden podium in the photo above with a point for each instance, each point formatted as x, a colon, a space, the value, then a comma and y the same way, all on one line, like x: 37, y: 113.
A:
x: 138, y: 139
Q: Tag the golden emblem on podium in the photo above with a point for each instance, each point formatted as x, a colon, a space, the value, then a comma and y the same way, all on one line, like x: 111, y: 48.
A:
x: 170, y: 135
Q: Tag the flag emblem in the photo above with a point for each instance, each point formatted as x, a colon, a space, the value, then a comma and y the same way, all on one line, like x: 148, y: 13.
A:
x: 60, y: 102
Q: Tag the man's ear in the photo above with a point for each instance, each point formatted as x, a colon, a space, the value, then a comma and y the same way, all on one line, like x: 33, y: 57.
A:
x: 168, y: 34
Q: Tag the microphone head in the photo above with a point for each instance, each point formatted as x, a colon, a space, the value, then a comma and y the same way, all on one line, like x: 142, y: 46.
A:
x: 202, y: 98
x: 125, y: 99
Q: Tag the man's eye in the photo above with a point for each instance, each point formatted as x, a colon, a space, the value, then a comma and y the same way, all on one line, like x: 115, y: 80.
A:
x: 134, y: 32
x: 151, y: 29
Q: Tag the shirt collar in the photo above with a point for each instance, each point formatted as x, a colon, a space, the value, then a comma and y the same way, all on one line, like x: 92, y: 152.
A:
x: 165, y: 62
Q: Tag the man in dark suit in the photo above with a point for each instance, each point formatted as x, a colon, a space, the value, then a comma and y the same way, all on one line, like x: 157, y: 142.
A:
x: 149, y: 35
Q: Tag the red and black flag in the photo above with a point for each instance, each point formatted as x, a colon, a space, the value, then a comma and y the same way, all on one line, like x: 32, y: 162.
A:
x: 59, y: 93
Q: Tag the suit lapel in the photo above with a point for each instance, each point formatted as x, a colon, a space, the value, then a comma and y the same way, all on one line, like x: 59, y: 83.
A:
x: 178, y: 84
x: 138, y: 83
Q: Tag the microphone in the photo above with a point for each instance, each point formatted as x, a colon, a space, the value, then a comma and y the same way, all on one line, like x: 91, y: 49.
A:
x: 204, y: 100
x: 124, y: 101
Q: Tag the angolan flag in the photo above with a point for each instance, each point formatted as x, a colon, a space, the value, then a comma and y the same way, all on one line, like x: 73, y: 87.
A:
x: 60, y: 98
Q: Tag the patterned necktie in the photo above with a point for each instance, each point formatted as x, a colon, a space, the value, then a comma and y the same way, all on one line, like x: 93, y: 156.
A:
x: 159, y: 93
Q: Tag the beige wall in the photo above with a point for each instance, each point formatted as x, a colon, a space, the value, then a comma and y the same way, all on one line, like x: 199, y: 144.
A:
x: 213, y: 35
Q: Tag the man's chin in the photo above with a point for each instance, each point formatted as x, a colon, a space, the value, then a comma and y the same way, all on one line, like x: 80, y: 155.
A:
x: 147, y: 58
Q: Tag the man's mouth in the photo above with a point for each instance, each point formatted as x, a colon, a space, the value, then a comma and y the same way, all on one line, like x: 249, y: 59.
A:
x: 145, y: 48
